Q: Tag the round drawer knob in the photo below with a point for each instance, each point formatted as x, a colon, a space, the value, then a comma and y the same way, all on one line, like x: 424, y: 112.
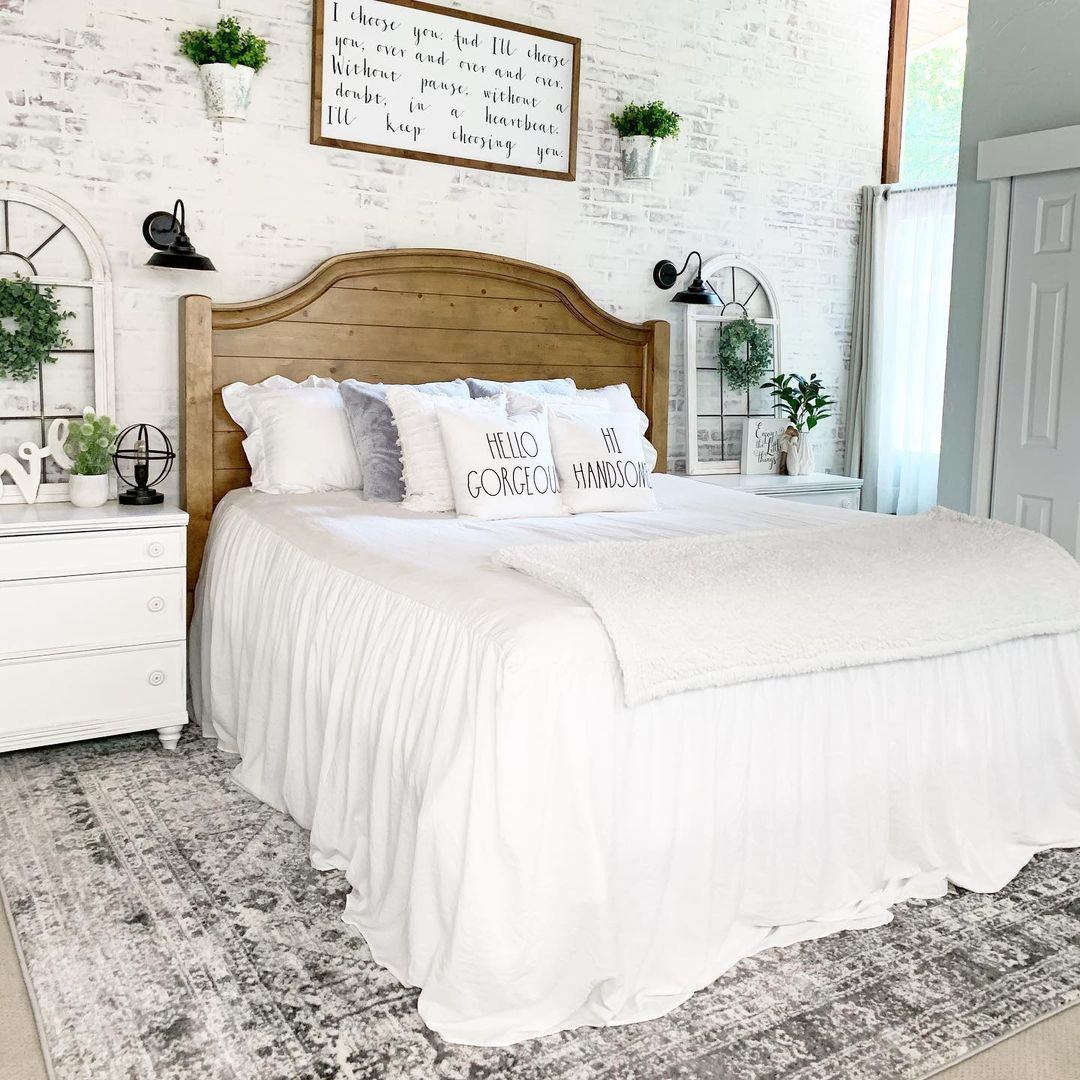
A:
x: 155, y: 603
x: 156, y: 678
x: 155, y: 549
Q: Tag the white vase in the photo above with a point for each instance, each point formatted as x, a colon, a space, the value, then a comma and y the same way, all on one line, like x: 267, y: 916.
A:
x: 88, y: 490
x: 800, y: 453
x: 227, y: 90
x: 640, y: 154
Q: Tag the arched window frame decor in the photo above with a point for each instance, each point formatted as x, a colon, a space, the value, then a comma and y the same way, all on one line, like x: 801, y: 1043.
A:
x: 739, y: 283
x: 98, y: 280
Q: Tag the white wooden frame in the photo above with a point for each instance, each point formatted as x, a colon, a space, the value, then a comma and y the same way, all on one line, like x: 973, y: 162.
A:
x: 99, y: 282
x: 1000, y: 161
x: 694, y: 316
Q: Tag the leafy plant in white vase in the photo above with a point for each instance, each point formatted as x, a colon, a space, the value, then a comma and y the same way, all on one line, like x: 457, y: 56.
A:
x: 804, y: 404
x: 641, y: 129
x: 90, y: 444
x: 228, y: 58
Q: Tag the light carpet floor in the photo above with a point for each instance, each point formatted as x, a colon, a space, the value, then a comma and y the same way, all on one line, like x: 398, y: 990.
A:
x: 173, y: 927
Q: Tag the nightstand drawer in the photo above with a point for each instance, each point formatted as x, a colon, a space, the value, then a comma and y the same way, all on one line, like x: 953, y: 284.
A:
x: 59, y: 614
x: 67, y: 554
x: 846, y: 500
x: 79, y: 696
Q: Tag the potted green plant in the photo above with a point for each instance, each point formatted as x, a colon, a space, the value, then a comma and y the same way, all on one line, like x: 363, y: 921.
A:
x: 228, y: 58
x: 641, y: 129
x: 804, y: 404
x: 90, y: 444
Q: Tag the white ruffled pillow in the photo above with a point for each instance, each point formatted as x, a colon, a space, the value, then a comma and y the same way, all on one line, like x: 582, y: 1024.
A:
x: 501, y: 466
x: 298, y: 436
x: 600, y: 460
x: 423, y: 456
x: 616, y: 399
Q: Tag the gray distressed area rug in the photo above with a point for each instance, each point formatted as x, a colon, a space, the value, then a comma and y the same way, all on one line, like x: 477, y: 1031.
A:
x: 174, y: 928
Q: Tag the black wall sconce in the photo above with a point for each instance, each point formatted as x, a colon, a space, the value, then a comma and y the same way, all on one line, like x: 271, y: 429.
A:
x: 165, y: 232
x: 665, y: 275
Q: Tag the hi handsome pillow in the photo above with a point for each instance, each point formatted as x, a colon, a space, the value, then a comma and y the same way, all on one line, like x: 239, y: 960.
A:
x: 500, y: 466
x: 616, y: 399
x: 600, y: 460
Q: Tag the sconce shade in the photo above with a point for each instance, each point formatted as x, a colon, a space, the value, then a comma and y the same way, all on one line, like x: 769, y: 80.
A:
x: 698, y: 293
x: 175, y: 251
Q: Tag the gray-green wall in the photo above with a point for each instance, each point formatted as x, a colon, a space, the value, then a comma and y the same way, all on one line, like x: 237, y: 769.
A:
x: 1023, y: 74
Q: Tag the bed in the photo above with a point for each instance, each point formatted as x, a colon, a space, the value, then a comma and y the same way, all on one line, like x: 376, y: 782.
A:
x: 524, y: 846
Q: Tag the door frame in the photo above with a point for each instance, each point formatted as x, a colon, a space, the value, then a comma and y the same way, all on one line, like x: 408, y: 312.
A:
x: 1000, y: 162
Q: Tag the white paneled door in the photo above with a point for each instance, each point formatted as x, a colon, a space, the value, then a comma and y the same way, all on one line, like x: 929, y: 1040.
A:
x: 1037, y: 455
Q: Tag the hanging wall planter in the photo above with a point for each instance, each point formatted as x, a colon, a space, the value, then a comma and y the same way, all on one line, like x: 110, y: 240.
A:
x: 641, y: 130
x: 227, y: 90
x: 228, y: 58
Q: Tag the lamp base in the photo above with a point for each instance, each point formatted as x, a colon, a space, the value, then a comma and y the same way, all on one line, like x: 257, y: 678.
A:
x: 140, y: 497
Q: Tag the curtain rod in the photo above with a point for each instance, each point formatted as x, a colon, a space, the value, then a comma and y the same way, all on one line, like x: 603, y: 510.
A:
x: 915, y: 187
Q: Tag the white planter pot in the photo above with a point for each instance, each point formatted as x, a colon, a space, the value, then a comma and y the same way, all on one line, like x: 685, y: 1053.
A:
x: 640, y: 154
x: 88, y: 490
x: 227, y: 90
x: 800, y: 454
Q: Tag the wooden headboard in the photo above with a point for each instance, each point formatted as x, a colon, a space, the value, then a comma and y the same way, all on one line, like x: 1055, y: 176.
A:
x: 398, y: 316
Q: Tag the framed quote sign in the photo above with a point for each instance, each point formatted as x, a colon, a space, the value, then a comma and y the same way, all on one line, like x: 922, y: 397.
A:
x: 412, y: 79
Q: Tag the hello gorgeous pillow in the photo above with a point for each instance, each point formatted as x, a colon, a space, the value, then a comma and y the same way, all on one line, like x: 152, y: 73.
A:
x: 501, y: 466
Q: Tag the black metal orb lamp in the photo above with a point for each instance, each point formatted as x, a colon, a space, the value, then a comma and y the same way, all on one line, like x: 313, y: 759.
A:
x: 166, y: 233
x: 143, y: 457
x: 665, y: 275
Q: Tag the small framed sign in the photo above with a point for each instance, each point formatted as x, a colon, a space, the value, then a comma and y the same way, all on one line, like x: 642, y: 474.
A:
x: 413, y: 79
x: 761, y: 445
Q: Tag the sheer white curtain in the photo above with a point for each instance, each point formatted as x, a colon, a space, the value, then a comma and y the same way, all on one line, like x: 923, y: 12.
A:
x: 901, y: 376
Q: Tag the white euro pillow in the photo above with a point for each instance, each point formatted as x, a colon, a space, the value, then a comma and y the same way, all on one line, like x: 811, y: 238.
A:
x: 297, y: 435
x: 423, y: 456
x: 500, y: 466
x: 600, y: 460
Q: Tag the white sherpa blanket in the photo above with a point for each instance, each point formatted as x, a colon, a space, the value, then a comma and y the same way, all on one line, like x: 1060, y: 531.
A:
x: 717, y: 610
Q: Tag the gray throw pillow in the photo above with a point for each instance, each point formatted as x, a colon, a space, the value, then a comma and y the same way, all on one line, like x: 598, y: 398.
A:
x: 375, y: 437
x: 481, y: 388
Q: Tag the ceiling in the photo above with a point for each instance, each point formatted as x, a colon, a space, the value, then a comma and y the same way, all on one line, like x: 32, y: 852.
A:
x: 929, y: 20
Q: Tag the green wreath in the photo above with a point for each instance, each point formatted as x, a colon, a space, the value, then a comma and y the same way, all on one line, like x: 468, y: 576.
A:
x: 744, y: 369
x: 37, y: 332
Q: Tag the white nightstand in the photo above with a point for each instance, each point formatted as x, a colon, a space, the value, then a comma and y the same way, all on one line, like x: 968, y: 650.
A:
x: 821, y: 488
x: 92, y: 622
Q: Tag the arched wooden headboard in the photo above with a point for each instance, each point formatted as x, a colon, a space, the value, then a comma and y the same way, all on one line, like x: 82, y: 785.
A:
x: 398, y: 316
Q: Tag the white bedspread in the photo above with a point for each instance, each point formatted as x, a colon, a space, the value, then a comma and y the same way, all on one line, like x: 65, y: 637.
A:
x: 878, y: 589
x: 535, y: 854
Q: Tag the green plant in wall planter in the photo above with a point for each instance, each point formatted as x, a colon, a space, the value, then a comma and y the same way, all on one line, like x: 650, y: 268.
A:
x: 641, y: 129
x: 90, y: 444
x: 31, y: 328
x: 228, y: 57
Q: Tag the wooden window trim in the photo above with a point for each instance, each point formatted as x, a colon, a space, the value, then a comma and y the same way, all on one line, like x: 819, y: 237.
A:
x: 894, y: 91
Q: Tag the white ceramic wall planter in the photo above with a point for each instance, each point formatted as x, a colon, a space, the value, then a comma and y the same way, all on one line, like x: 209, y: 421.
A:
x: 640, y: 155
x: 227, y: 90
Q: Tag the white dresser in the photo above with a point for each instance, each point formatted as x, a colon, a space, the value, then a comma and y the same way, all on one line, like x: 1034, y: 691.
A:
x: 92, y: 622
x: 825, y: 489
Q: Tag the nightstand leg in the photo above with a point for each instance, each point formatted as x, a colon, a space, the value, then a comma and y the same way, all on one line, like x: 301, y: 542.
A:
x: 170, y: 736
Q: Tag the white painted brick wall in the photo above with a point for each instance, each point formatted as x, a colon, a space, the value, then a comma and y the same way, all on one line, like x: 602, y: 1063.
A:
x: 782, y: 103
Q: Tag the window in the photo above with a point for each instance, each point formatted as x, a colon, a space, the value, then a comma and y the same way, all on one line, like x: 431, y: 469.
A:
x: 928, y: 46
x: 44, y: 239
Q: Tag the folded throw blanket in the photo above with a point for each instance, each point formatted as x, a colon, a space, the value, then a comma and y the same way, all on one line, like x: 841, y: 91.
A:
x: 712, y: 610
